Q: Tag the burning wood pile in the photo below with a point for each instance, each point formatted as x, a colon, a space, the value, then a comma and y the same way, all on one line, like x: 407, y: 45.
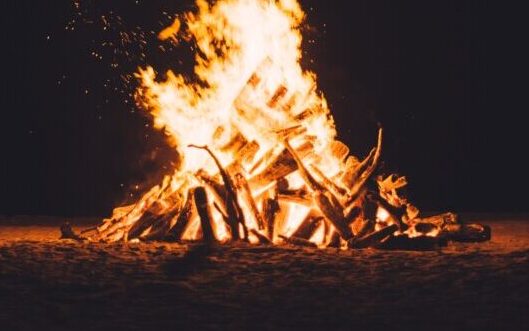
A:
x: 260, y: 158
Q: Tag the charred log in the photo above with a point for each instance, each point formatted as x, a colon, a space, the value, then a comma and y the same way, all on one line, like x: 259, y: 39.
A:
x: 234, y: 211
x: 373, y: 238
x: 270, y: 209
x: 246, y: 194
x: 403, y: 242
x: 308, y: 226
x: 466, y: 233
x: 184, y: 218
x: 262, y: 238
x: 204, y: 212
x: 298, y: 241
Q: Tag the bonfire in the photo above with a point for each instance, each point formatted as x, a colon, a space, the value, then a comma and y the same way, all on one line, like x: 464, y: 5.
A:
x: 259, y: 157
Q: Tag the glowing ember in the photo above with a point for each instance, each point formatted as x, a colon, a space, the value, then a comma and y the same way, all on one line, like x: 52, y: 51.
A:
x: 260, y: 160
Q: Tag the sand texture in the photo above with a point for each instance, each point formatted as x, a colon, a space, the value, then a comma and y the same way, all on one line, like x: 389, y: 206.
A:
x: 51, y: 284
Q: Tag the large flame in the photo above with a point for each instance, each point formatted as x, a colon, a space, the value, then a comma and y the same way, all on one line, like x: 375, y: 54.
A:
x: 250, y: 103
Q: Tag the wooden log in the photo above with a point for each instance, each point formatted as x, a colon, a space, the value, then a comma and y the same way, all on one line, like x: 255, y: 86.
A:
x: 352, y: 173
x: 280, y: 92
x: 246, y: 195
x: 234, y: 211
x: 335, y: 240
x: 325, y: 200
x: 373, y: 238
x: 204, y: 212
x: 145, y: 221
x: 466, y: 232
x: 352, y: 214
x: 339, y: 150
x: 262, y: 238
x: 327, y: 183
x: 305, y: 114
x: 309, y: 225
x: 270, y: 209
x: 357, y: 188
x: 396, y: 213
x: 291, y: 103
x: 300, y: 196
x: 298, y: 241
x: 282, y: 165
x: 236, y: 143
x: 184, y: 217
x: 290, y: 132
x: 440, y: 220
x: 67, y: 232
x: 246, y: 154
x: 403, y: 242
x: 423, y: 227
x: 162, y: 226
x: 332, y: 215
x: 264, y: 159
x: 124, y: 223
x: 312, y: 184
x: 217, y: 190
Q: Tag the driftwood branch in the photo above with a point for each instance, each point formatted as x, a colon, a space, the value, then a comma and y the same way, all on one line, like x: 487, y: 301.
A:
x: 235, y: 215
x: 204, y: 212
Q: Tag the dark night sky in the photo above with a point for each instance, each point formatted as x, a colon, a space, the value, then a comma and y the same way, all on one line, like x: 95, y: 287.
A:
x: 443, y: 77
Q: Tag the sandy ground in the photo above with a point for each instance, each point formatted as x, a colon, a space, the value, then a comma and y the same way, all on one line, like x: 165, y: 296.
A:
x: 51, y: 284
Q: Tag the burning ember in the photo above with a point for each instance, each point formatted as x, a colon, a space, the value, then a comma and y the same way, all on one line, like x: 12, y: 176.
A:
x: 260, y: 161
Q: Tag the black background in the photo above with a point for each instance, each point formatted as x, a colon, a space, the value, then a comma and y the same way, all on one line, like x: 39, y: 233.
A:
x: 445, y: 79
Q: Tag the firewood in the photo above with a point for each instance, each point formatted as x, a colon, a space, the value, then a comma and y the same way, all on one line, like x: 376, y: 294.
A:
x: 162, y: 226
x: 121, y: 225
x: 246, y: 194
x: 247, y: 153
x: 296, y: 196
x: 270, y: 209
x: 329, y: 184
x: 291, y: 132
x: 352, y: 214
x: 423, y: 227
x: 466, y: 232
x: 396, y: 213
x: 359, y: 184
x: 335, y: 240
x: 334, y: 216
x: 67, y: 232
x: 312, y: 184
x: 187, y: 213
x: 277, y: 96
x: 352, y: 173
x: 292, y: 101
x: 236, y: 143
x: 264, y: 159
x: 262, y: 239
x: 373, y: 238
x: 146, y: 220
x: 217, y: 190
x: 282, y: 165
x: 324, y: 200
x: 298, y: 241
x: 339, y: 150
x: 204, y: 212
x: 235, y: 215
x: 440, y: 220
x: 308, y: 226
x: 403, y: 242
